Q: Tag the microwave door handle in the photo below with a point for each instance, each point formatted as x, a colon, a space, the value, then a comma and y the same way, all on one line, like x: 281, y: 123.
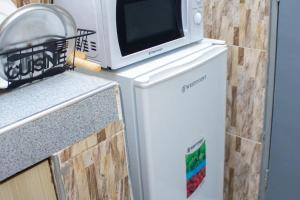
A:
x: 163, y: 75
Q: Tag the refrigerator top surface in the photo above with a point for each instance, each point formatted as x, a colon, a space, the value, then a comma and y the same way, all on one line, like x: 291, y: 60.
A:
x: 180, y: 66
x: 150, y: 65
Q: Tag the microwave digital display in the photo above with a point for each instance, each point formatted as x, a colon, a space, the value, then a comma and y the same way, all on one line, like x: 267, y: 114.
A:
x: 146, y: 23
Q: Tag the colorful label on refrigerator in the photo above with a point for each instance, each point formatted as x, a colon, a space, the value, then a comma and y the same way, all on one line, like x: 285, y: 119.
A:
x: 195, y: 160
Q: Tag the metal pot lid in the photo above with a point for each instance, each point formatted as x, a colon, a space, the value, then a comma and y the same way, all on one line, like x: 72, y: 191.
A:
x: 34, y: 24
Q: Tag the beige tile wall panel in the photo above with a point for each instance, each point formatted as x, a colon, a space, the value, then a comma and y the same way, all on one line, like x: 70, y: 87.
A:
x: 33, y: 184
x: 242, y: 171
x: 246, y: 92
x: 208, y: 18
x: 20, y: 3
x: 95, y: 168
x: 242, y: 23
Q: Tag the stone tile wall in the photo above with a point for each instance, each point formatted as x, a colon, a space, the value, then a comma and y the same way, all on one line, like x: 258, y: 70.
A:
x: 20, y: 3
x: 244, y: 25
x: 94, y: 168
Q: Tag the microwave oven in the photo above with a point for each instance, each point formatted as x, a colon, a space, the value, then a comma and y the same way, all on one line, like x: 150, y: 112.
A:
x: 128, y: 31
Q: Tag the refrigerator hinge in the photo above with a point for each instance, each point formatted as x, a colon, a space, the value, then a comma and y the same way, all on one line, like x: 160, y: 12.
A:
x: 266, y: 179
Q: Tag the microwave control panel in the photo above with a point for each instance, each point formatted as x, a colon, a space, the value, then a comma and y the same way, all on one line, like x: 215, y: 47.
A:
x: 196, y: 19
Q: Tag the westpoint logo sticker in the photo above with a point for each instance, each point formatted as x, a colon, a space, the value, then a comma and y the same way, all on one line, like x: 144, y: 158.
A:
x: 155, y: 51
x: 189, y: 86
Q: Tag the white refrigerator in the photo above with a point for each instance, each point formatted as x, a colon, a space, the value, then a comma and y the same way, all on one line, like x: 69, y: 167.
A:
x: 174, y: 109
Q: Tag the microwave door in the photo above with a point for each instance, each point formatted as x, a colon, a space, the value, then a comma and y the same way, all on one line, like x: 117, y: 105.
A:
x: 177, y: 113
x: 142, y: 24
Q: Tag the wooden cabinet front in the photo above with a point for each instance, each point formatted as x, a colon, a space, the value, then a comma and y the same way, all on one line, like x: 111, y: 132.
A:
x: 33, y: 184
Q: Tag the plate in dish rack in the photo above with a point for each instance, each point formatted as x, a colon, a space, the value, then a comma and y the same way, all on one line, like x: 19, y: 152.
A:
x: 29, y: 26
x: 2, y: 17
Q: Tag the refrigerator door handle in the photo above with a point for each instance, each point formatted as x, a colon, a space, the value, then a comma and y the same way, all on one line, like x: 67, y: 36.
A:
x: 179, y: 67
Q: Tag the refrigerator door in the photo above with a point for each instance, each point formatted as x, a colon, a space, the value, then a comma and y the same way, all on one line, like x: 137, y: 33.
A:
x: 181, y: 127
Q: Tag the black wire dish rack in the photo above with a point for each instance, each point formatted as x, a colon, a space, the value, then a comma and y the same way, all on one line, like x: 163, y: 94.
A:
x: 26, y: 65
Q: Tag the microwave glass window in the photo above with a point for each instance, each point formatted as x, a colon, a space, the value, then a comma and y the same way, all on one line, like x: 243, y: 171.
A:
x: 146, y: 23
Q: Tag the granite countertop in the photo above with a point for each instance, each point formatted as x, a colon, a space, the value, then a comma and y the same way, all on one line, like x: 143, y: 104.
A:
x: 40, y: 119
